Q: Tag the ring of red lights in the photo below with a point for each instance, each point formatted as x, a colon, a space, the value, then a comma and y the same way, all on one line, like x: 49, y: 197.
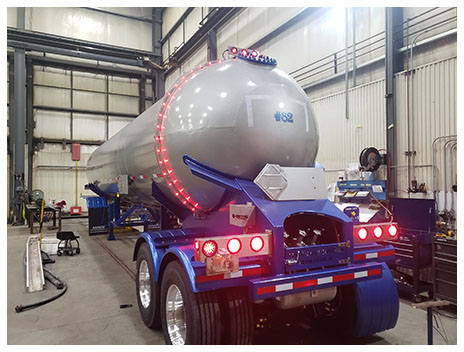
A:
x: 161, y: 152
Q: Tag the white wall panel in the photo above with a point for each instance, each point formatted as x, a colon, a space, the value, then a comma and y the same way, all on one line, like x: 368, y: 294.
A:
x: 123, y: 85
x: 90, y: 25
x: 118, y: 103
x: 89, y: 100
x: 89, y: 127
x: 340, y: 139
x: 148, y: 103
x: 52, y: 76
x: 148, y: 89
x: 52, y: 124
x: 11, y: 16
x: 170, y: 16
x: 251, y: 24
x: 89, y: 81
x: 52, y: 97
x: 433, y: 115
x: 192, y: 22
x: 175, y: 41
x: 60, y: 184
x: 117, y: 123
x: 322, y: 33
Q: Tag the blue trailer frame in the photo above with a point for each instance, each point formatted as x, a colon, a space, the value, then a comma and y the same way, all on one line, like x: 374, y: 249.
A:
x: 268, y: 276
x: 285, y: 270
x: 115, y: 217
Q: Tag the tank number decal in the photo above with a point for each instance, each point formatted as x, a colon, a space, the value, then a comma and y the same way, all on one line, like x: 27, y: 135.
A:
x: 284, y: 116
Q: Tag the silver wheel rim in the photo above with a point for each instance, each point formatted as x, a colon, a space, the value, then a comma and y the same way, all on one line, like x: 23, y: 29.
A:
x: 144, y: 284
x: 175, y: 314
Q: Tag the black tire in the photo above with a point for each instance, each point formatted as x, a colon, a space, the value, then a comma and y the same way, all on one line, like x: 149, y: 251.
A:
x: 78, y: 250
x: 202, y: 311
x: 238, y: 317
x: 58, y: 253
x: 151, y: 314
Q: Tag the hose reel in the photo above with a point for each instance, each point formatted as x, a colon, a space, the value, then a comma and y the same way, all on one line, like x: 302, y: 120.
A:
x: 370, y: 159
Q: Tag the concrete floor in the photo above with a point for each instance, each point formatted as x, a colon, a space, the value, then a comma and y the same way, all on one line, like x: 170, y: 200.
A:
x: 98, y: 283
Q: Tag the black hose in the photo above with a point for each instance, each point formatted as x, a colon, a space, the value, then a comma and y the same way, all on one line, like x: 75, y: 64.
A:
x: 19, y: 308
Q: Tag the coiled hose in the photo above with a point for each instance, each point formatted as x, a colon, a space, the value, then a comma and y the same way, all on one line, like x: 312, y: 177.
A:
x: 55, y: 280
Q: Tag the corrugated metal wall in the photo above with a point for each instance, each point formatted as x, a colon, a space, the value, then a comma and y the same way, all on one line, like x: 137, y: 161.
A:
x: 433, y: 115
x: 341, y: 140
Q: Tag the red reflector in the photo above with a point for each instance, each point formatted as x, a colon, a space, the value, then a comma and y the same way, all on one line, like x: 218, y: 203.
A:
x: 362, y: 233
x: 234, y: 50
x: 257, y: 243
x: 244, y: 52
x: 196, y: 245
x: 209, y: 248
x: 234, y: 245
x: 392, y: 230
x: 378, y: 232
x: 254, y: 53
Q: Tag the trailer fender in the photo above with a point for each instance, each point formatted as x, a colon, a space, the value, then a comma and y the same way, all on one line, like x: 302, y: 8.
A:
x: 183, y: 255
x: 156, y: 254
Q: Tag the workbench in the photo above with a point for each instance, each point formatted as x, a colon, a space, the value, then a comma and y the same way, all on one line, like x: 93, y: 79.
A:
x: 34, y: 211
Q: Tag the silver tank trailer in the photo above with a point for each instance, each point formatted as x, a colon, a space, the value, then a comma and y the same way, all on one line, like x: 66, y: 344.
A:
x: 232, y: 115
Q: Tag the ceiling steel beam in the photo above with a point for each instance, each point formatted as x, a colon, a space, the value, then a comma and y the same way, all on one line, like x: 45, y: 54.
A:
x: 106, y: 12
x: 74, y: 44
x: 83, y: 111
x: 74, y: 53
x: 67, y: 141
x: 215, y: 19
x: 87, y: 67
x: 48, y: 43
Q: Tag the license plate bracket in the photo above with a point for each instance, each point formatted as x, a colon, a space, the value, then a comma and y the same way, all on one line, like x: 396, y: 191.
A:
x: 221, y: 263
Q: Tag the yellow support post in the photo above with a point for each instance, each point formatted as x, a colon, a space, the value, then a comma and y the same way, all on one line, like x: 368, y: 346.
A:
x: 41, y: 222
x: 76, y: 184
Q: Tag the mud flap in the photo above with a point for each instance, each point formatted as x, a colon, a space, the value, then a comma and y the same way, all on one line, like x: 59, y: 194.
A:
x: 377, y: 304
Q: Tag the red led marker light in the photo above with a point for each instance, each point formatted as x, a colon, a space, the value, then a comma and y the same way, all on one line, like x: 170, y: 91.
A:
x: 160, y: 146
x: 392, y: 230
x: 244, y: 52
x: 234, y: 50
x: 256, y: 243
x: 378, y: 232
x: 196, y: 245
x: 234, y: 245
x: 362, y: 233
x: 254, y: 53
x: 209, y: 248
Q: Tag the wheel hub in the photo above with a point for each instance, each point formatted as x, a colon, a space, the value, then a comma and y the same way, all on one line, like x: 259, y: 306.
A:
x: 144, y: 284
x: 175, y: 316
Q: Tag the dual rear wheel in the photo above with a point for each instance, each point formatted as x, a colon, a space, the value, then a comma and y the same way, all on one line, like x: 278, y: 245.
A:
x: 213, y: 317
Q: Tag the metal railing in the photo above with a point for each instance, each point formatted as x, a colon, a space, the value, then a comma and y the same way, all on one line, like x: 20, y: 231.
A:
x: 335, y: 62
